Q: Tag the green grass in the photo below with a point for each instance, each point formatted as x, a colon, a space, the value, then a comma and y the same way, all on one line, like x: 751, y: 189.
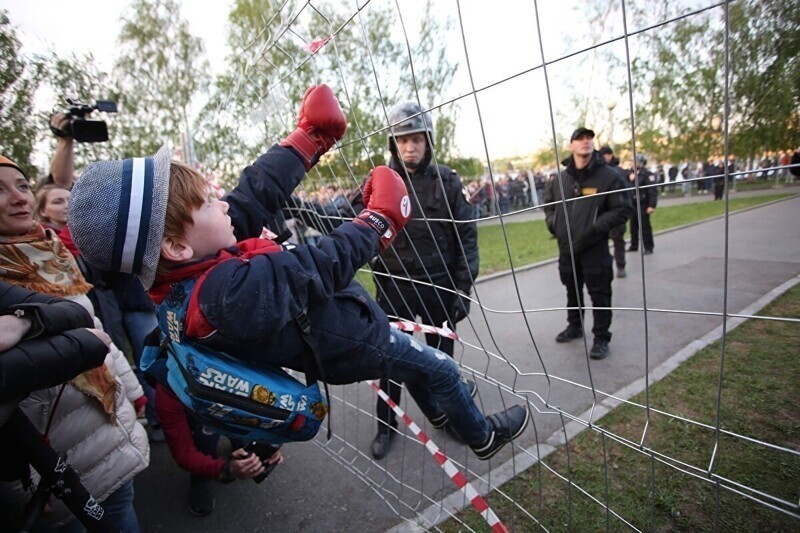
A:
x: 759, y: 400
x: 530, y: 242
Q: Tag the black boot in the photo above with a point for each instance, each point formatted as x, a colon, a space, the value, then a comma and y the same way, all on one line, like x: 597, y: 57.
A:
x: 506, y: 426
x: 571, y: 333
x: 201, y: 496
x: 599, y: 349
x: 381, y: 443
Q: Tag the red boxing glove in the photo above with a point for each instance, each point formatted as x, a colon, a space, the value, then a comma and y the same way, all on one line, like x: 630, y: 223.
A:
x: 388, y: 207
x: 320, y: 123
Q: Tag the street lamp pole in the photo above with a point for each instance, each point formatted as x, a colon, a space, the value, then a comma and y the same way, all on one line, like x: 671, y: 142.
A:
x: 610, y: 105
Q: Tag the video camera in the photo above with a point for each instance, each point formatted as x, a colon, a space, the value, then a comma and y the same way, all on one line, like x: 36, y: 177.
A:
x: 83, y: 129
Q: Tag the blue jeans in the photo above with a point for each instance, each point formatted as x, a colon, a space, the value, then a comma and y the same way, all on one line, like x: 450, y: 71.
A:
x: 118, y: 507
x: 434, y: 381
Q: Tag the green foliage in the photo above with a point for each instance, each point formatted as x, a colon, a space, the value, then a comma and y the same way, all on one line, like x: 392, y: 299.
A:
x: 159, y: 69
x: 469, y: 168
x: 681, y: 81
x: 765, y: 57
x: 682, y: 78
x: 255, y: 102
x: 252, y: 103
x: 19, y: 79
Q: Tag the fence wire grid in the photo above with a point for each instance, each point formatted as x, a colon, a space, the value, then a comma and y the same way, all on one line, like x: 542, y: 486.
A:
x: 506, y: 344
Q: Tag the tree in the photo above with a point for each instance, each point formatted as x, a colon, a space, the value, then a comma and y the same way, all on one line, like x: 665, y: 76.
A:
x: 19, y: 79
x: 279, y: 49
x: 433, y: 73
x: 765, y: 76
x: 469, y: 168
x: 251, y: 105
x: 680, y: 82
x: 159, y: 70
x: 679, y: 88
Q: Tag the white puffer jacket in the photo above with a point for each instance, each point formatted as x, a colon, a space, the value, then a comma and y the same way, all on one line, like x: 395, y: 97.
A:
x: 104, y: 455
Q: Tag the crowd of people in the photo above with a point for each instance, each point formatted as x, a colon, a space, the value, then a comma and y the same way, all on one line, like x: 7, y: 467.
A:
x: 525, y: 188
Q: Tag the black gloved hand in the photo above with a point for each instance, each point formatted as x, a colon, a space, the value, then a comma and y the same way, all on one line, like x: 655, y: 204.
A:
x: 582, y: 242
x: 459, y: 309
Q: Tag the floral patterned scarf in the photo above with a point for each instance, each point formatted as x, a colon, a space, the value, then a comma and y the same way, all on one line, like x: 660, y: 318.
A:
x: 40, y: 262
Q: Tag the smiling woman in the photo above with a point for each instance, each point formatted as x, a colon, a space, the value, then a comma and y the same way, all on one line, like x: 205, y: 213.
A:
x: 16, y: 200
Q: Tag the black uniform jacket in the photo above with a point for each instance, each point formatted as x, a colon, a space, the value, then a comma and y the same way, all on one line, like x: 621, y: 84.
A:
x: 592, y: 207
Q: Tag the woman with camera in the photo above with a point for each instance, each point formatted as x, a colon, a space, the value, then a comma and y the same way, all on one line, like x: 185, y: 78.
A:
x: 92, y: 419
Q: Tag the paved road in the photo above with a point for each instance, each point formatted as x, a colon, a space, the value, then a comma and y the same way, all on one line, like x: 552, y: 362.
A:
x: 337, y: 488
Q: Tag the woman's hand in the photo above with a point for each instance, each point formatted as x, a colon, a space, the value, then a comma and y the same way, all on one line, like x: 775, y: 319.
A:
x: 276, y: 458
x: 245, y: 465
x: 102, y: 335
x: 12, y: 330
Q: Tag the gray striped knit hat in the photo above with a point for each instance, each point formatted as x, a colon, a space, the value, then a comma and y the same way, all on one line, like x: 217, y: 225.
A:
x: 117, y: 211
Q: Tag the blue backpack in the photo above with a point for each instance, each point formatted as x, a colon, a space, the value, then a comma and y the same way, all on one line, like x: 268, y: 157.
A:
x: 242, y: 400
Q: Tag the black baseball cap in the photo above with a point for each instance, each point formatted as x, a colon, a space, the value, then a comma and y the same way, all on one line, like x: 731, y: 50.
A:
x: 606, y: 150
x: 581, y: 131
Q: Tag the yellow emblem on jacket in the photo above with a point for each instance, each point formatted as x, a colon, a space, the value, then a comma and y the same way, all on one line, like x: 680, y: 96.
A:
x: 585, y: 191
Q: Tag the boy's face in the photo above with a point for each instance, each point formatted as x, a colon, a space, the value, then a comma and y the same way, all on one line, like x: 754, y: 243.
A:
x: 211, y: 229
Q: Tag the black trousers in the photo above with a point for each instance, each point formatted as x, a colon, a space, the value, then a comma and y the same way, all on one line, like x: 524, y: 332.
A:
x: 409, y: 301
x: 617, y: 235
x: 647, y: 230
x: 594, y: 269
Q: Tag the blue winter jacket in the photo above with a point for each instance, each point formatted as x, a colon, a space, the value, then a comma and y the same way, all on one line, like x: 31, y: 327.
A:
x: 251, y: 303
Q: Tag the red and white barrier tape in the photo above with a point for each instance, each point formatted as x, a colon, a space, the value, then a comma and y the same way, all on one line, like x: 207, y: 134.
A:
x: 458, y: 478
x: 408, y: 326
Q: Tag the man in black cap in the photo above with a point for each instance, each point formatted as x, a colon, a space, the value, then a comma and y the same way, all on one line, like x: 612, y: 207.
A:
x: 617, y: 233
x: 581, y: 224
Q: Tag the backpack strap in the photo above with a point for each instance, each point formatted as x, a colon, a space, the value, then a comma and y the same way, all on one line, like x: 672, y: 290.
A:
x: 312, y: 364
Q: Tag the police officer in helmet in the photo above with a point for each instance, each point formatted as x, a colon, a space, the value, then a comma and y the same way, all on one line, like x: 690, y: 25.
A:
x: 438, y: 248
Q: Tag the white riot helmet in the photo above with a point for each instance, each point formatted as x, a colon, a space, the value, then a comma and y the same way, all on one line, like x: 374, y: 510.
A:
x: 407, y: 118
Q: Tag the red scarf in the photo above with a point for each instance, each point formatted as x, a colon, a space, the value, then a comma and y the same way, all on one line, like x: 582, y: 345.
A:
x: 66, y: 237
x: 243, y: 250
